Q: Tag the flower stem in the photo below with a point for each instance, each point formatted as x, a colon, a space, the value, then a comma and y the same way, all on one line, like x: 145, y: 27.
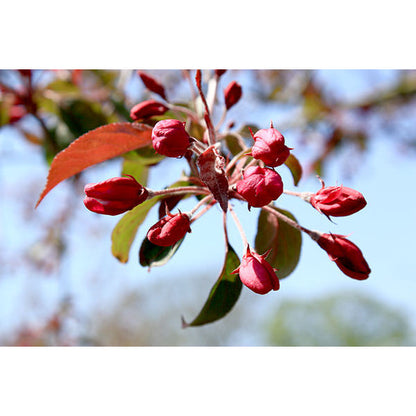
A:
x: 179, y: 190
x: 203, y: 201
x: 313, y: 234
x: 211, y: 132
x: 180, y: 109
x: 203, y: 211
x: 239, y: 226
x: 306, y: 196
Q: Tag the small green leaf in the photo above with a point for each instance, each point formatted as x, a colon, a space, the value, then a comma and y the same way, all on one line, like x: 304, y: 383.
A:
x: 245, y: 131
x: 124, y: 232
x: 81, y: 116
x: 295, y: 168
x: 196, y: 130
x: 152, y: 255
x: 284, y: 240
x: 138, y: 170
x: 233, y: 144
x: 223, y: 295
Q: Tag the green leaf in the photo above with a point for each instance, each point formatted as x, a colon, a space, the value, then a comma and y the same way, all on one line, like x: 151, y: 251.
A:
x: 245, y: 131
x: 136, y: 169
x: 124, y: 232
x: 64, y: 88
x: 233, y: 144
x: 295, y: 168
x: 284, y: 240
x: 152, y: 255
x: 196, y: 130
x: 81, y: 116
x: 223, y: 295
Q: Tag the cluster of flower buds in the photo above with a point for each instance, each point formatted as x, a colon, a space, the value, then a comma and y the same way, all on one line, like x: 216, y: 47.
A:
x: 249, y: 176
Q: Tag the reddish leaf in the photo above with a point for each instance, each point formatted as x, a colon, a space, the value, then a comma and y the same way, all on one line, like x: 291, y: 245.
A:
x: 94, y: 147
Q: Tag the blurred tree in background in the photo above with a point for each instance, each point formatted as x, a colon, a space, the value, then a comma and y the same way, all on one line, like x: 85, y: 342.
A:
x: 50, y: 109
x: 348, y: 319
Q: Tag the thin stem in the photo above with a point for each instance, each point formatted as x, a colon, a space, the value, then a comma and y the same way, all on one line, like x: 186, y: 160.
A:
x: 187, y: 111
x: 239, y: 226
x: 306, y: 196
x: 212, y: 92
x: 224, y: 223
x: 180, y: 190
x: 289, y: 221
x: 234, y: 160
x: 203, y: 211
x: 207, y: 117
x: 203, y: 201
x: 187, y: 75
x: 222, y: 119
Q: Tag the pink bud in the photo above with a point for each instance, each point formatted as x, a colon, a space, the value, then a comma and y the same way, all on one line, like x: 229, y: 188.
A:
x: 338, y: 201
x: 152, y: 85
x: 232, y: 94
x: 114, y: 196
x: 346, y: 255
x: 170, y: 138
x: 260, y: 186
x: 270, y: 147
x: 169, y: 230
x: 147, y: 109
x: 256, y: 273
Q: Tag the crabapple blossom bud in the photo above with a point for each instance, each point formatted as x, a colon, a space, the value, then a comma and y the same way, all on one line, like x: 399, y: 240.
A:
x: 260, y: 186
x: 169, y: 230
x: 152, y: 85
x: 338, y: 201
x: 270, y: 147
x: 114, y: 196
x: 256, y: 273
x: 220, y: 72
x: 170, y: 138
x: 232, y: 94
x: 147, y: 109
x: 346, y: 255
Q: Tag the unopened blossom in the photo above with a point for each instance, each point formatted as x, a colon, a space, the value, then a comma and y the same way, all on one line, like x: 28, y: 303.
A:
x: 170, y: 138
x: 337, y: 201
x: 256, y: 273
x: 269, y: 146
x: 146, y: 109
x: 169, y: 230
x: 232, y: 94
x: 260, y: 186
x: 152, y: 85
x: 347, y: 256
x: 114, y: 196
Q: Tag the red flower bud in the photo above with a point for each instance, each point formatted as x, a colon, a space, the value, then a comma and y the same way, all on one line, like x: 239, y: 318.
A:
x: 220, y: 72
x: 260, y: 186
x: 170, y: 138
x: 256, y: 273
x: 270, y: 147
x: 114, y: 196
x: 152, y: 85
x: 147, y: 109
x: 232, y: 94
x: 169, y: 230
x: 338, y: 201
x: 346, y: 255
